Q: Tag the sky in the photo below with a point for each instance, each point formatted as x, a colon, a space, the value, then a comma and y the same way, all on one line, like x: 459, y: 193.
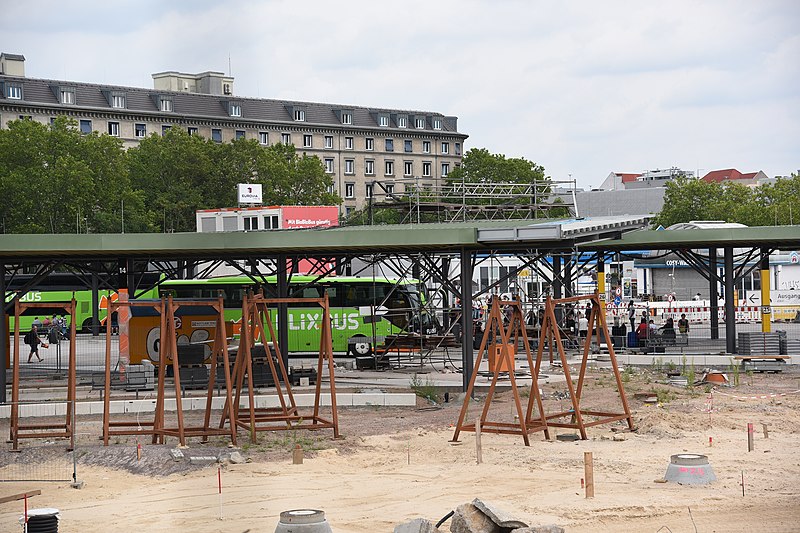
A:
x: 583, y: 88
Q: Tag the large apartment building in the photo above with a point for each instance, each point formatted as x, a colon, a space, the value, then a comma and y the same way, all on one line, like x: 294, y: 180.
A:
x: 359, y: 146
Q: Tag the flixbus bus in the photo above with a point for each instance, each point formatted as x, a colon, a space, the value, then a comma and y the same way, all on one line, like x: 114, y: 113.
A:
x: 399, y: 307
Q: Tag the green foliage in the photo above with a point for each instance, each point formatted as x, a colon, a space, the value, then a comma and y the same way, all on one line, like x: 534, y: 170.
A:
x: 664, y: 396
x: 425, y: 389
x: 765, y: 205
x: 54, y: 179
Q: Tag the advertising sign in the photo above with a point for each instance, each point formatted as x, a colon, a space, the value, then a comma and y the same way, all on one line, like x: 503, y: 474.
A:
x: 249, y: 193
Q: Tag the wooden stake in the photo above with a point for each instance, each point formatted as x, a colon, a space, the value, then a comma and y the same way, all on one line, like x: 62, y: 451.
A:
x: 297, y: 455
x: 766, y: 431
x: 588, y: 467
x: 478, y: 448
x: 20, y: 496
x: 750, y: 446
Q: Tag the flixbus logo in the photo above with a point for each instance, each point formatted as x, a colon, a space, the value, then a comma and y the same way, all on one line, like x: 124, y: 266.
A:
x: 309, y: 321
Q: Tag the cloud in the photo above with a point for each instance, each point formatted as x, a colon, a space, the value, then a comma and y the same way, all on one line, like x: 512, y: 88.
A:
x: 582, y: 88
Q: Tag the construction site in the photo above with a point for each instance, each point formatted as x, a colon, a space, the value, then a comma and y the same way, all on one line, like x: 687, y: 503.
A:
x: 425, y: 404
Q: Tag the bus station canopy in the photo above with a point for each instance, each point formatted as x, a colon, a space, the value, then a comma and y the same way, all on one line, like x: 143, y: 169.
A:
x: 454, y: 236
x: 772, y: 237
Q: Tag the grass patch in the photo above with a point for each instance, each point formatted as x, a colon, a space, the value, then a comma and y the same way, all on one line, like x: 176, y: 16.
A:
x: 425, y: 388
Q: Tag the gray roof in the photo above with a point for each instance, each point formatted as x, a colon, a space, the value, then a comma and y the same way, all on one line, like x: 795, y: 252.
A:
x: 90, y: 97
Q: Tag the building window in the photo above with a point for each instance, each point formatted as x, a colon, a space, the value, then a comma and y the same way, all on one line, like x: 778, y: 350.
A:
x: 408, y: 168
x: 408, y: 146
x: 140, y: 131
x: 426, y: 168
x: 250, y: 223
x: 369, y: 143
x: 26, y: 117
x: 402, y: 122
x: 191, y: 130
x: 368, y: 190
x: 216, y: 135
x: 349, y: 190
x: 426, y: 147
x: 86, y: 126
x: 329, y: 141
x: 329, y: 165
x: 165, y: 128
x: 14, y: 92
x: 240, y: 134
x: 389, y: 168
x: 419, y: 123
x: 263, y: 137
x: 445, y: 148
x: 286, y: 138
x: 383, y: 121
x: 457, y: 147
x: 347, y: 118
x: 389, y: 188
x: 307, y: 141
x: 236, y: 110
x: 390, y: 145
x: 166, y: 105
x: 118, y: 101
x: 67, y: 96
x: 369, y: 167
x: 348, y: 143
x: 437, y: 123
x: 349, y: 166
x: 271, y: 222
x: 113, y: 129
x: 299, y: 115
x: 445, y: 169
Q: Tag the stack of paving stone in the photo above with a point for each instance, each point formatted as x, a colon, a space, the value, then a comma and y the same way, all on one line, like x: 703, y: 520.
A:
x: 758, y: 343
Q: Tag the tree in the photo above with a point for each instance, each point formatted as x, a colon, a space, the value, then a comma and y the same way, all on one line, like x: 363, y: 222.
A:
x: 53, y: 179
x: 765, y: 205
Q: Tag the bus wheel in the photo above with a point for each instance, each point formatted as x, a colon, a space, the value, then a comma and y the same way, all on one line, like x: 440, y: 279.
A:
x: 359, y: 347
x: 86, y: 327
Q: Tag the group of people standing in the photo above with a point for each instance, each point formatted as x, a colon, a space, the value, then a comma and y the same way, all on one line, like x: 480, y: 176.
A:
x: 647, y: 328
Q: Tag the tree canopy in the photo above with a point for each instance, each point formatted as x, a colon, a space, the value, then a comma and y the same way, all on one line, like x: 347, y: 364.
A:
x: 54, y: 179
x: 765, y: 205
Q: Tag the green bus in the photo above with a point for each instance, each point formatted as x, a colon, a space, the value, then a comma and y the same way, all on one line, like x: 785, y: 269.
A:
x: 399, y: 307
x: 55, y: 288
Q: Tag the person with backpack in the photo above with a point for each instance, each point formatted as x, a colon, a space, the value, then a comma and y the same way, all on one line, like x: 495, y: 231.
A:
x: 32, y: 340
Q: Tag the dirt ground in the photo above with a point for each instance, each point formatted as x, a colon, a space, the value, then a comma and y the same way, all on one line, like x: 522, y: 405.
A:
x: 395, y: 464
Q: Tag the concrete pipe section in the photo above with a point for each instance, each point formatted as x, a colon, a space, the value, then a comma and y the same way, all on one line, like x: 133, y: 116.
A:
x: 689, y: 469
x: 303, y: 521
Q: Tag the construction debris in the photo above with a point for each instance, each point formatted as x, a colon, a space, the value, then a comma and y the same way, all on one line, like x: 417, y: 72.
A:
x: 477, y: 517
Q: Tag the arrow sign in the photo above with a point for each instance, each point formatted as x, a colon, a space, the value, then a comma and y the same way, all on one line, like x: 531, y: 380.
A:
x: 750, y: 299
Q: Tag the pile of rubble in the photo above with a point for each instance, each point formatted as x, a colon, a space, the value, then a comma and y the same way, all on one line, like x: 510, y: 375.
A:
x: 476, y: 517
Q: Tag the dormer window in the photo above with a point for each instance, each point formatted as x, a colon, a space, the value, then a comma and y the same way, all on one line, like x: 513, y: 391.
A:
x: 437, y: 123
x: 299, y: 115
x: 383, y: 121
x: 402, y: 121
x: 345, y: 116
x: 419, y: 123
x: 66, y: 96
x: 118, y: 101
x: 234, y: 109
x: 163, y: 103
x: 13, y: 91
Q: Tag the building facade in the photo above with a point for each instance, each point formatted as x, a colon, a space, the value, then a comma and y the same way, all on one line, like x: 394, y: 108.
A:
x: 358, y: 146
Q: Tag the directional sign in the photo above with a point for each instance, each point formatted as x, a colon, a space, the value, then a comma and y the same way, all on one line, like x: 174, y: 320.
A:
x: 750, y: 298
x: 617, y: 301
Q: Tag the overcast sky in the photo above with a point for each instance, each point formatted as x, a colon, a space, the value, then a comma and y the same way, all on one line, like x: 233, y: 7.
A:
x: 581, y: 87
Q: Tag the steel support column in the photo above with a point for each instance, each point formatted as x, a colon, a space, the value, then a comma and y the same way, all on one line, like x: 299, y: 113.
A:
x: 283, y: 310
x: 568, y: 293
x: 730, y: 309
x: 466, y: 318
x: 557, y: 286
x: 95, y: 305
x: 713, y: 293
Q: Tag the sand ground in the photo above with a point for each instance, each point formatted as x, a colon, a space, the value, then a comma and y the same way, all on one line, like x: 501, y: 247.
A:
x: 395, y: 464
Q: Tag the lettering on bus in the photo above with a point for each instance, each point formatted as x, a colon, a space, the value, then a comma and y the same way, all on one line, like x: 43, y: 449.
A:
x: 31, y: 296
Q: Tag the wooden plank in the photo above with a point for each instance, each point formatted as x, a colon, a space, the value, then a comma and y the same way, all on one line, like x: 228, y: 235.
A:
x: 20, y: 496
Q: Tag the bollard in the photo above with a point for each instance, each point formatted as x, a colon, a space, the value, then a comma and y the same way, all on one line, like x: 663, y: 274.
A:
x: 297, y: 455
x: 588, y: 468
x: 478, y: 448
x: 750, y: 446
x: 766, y: 431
